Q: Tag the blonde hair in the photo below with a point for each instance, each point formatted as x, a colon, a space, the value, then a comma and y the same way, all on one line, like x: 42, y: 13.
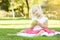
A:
x: 35, y: 7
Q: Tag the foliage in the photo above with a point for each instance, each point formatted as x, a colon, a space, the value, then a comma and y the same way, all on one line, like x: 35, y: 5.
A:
x: 21, y: 8
x: 4, y: 4
x: 51, y: 9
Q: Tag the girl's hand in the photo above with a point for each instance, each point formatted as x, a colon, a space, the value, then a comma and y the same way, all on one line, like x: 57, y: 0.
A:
x: 34, y: 22
x: 45, y: 25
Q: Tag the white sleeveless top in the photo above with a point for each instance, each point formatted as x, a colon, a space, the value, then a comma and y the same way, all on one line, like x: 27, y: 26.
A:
x: 42, y: 20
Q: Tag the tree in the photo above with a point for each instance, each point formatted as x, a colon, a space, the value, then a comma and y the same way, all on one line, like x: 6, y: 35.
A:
x: 27, y: 7
x: 12, y: 4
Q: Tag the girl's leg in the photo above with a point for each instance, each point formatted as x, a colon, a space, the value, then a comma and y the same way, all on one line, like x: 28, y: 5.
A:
x: 20, y: 32
x: 57, y: 33
x: 42, y: 31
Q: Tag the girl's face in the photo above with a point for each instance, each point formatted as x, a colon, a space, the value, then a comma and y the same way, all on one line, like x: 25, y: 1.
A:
x: 36, y: 13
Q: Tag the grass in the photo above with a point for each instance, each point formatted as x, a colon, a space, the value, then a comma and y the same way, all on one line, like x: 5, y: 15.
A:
x: 4, y: 36
x: 13, y: 26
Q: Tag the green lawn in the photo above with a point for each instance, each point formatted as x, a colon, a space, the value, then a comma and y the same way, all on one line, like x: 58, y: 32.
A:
x: 5, y: 31
x: 14, y: 26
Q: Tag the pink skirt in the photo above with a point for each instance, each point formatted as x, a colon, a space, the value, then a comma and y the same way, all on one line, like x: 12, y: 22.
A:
x: 31, y: 31
x: 48, y: 31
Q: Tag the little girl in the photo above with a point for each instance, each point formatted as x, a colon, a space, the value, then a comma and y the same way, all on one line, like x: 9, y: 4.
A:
x: 39, y: 25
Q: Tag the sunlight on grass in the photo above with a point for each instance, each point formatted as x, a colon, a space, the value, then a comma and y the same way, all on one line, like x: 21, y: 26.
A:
x: 26, y: 23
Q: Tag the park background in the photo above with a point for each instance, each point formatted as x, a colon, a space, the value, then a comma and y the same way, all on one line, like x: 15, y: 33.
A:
x: 14, y: 16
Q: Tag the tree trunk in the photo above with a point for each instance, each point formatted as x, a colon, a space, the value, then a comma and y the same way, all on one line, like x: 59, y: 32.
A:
x: 23, y: 10
x: 13, y: 13
x: 27, y: 7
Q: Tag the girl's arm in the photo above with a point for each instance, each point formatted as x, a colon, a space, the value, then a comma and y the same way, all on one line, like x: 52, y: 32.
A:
x: 34, y: 23
x: 45, y: 25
